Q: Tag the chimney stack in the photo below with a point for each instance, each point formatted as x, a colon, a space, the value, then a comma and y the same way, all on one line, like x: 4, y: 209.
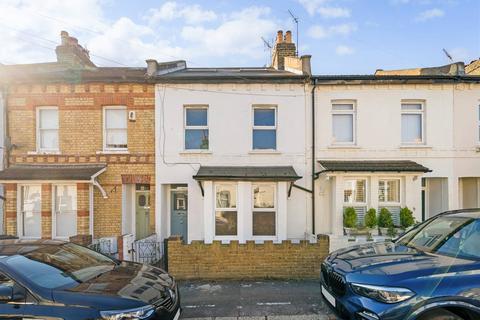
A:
x: 284, y: 47
x: 69, y: 52
x: 152, y: 67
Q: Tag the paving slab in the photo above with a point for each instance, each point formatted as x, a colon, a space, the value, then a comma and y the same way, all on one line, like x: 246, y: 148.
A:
x: 253, y: 300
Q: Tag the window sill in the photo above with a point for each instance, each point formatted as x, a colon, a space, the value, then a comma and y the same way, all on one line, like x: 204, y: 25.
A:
x: 264, y: 152
x: 415, y: 146
x: 113, y: 152
x: 189, y: 152
x: 32, y: 153
x: 344, y: 146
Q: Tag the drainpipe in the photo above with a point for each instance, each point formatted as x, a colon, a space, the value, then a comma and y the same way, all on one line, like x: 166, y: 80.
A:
x: 94, y: 181
x: 313, y: 155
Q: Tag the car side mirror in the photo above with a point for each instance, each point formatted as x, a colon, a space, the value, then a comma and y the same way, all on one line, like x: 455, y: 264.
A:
x: 6, y: 293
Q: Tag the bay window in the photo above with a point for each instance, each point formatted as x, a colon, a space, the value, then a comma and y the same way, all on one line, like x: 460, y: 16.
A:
x: 355, y: 195
x: 47, y: 129
x: 264, y: 209
x: 226, y: 217
x: 343, y: 123
x: 115, y: 128
x: 412, y: 123
x: 65, y: 211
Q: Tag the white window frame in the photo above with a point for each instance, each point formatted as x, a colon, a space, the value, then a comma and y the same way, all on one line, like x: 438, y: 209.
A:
x: 353, y: 113
x: 400, y: 190
x: 105, y: 148
x: 20, y: 230
x: 54, y: 212
x: 215, y: 209
x: 39, y: 130
x: 420, y: 112
x: 356, y: 204
x: 275, y: 209
x: 274, y: 127
x: 186, y: 127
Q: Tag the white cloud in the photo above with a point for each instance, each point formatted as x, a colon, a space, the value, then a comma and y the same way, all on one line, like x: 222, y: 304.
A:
x: 312, y: 5
x: 461, y: 54
x: 192, y: 14
x: 334, y: 12
x: 320, y: 32
x: 430, y: 14
x: 344, y: 50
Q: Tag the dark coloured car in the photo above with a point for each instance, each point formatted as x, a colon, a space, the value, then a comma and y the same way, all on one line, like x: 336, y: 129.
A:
x: 48, y: 279
x: 431, y: 272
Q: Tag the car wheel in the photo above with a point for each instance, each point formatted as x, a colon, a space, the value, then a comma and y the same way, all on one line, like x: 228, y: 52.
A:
x: 440, y: 314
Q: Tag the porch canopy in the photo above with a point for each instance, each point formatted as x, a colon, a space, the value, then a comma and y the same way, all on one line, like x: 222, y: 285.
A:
x: 58, y: 172
x: 247, y: 173
x: 371, y: 166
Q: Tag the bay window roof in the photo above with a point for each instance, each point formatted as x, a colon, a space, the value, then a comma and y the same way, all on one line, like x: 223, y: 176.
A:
x: 246, y: 173
x: 371, y: 166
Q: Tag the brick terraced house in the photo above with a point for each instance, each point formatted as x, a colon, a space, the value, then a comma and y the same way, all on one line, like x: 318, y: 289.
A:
x: 80, y: 148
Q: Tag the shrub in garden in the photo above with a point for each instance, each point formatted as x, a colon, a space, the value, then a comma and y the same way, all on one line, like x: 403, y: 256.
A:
x: 371, y: 218
x: 406, y: 218
x: 385, y: 218
x: 349, y: 218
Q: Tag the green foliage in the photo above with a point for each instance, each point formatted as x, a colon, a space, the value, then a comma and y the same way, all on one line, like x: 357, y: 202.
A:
x: 406, y: 218
x: 371, y: 218
x: 349, y: 218
x: 385, y: 218
x: 391, y: 231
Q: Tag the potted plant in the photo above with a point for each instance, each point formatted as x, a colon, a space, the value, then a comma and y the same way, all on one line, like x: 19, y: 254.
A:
x: 406, y: 218
x: 385, y: 221
x: 371, y: 221
x: 349, y: 220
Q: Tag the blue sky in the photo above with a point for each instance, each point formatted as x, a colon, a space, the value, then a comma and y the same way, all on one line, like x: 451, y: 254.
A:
x: 343, y: 36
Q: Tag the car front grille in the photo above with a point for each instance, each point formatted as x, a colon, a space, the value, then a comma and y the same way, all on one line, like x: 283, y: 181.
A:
x: 168, y: 303
x: 333, y: 280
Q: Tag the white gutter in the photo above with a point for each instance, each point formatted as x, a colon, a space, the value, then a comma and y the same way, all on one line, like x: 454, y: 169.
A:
x: 96, y: 184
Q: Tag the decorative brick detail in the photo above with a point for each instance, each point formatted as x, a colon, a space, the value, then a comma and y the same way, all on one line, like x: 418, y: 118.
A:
x: 284, y: 260
x: 140, y: 101
x: 84, y: 101
x: 135, y: 179
x: 17, y: 102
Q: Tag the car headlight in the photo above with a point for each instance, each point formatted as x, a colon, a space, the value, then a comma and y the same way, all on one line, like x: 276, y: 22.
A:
x: 137, y: 313
x: 382, y: 294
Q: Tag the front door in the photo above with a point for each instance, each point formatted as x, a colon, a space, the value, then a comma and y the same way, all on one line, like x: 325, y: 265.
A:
x: 178, y: 221
x: 437, y: 196
x: 142, y: 211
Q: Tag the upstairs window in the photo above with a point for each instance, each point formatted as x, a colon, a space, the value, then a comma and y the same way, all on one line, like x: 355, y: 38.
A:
x: 343, y: 123
x: 412, y: 123
x: 196, y: 128
x: 264, y: 128
x: 47, y: 129
x: 115, y: 128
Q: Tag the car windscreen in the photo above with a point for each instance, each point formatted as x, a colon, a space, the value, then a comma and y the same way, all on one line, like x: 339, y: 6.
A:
x: 58, y: 266
x: 449, y: 235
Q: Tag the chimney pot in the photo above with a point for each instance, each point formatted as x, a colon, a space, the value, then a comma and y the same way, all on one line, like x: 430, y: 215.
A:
x: 279, y: 36
x: 288, y: 36
x: 152, y: 67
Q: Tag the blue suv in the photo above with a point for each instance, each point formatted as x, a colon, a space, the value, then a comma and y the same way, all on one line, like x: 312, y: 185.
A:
x: 431, y: 272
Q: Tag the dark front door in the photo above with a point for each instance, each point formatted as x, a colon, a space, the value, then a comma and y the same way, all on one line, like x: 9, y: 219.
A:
x: 178, y: 219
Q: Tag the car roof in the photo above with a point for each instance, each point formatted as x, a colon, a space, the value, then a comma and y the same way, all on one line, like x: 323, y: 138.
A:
x: 10, y: 247
x: 469, y: 213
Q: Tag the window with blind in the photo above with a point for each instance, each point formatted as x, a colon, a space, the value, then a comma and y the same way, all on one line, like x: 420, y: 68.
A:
x: 115, y: 128
x: 413, y: 123
x: 264, y: 209
x: 354, y: 191
x: 47, y: 129
x: 389, y: 191
x: 226, y: 222
x: 343, y: 123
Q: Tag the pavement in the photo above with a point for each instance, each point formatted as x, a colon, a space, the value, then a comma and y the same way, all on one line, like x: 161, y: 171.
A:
x: 253, y: 300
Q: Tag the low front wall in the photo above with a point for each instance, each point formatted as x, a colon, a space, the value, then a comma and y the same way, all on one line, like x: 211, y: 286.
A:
x: 252, y: 260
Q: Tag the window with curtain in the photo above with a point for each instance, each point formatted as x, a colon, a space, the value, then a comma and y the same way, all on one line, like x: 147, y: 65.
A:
x: 343, y: 123
x: 264, y: 128
x: 226, y: 222
x: 47, y: 133
x: 264, y: 210
x: 115, y: 128
x: 389, y: 191
x: 412, y: 123
x: 196, y: 128
x: 65, y: 197
x: 31, y: 209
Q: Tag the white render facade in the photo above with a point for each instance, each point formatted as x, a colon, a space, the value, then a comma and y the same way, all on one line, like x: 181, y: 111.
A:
x: 231, y: 115
x: 434, y: 125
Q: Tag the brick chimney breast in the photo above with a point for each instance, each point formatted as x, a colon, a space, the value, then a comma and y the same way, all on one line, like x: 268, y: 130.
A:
x: 69, y: 52
x: 284, y: 47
